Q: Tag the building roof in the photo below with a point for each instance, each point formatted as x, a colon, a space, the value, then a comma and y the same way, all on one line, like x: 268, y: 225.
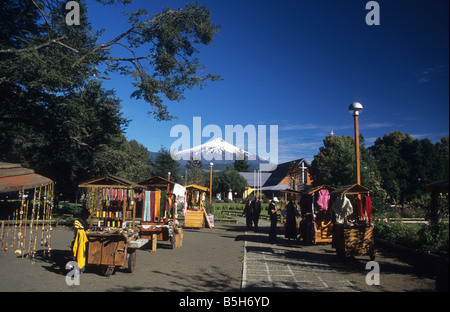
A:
x: 13, y: 177
x: 252, y: 178
x: 280, y: 173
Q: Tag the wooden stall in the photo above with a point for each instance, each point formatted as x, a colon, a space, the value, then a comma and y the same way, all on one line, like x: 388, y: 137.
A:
x: 316, y: 225
x: 158, y: 213
x: 26, y: 205
x: 352, y: 229
x: 112, y: 235
x: 112, y: 201
x: 196, y: 216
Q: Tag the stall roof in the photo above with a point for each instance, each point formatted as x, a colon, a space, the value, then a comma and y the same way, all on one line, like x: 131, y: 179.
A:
x: 352, y: 189
x: 309, y: 189
x: 110, y: 181
x: 13, y: 177
x: 439, y: 186
x: 156, y: 181
x: 198, y: 187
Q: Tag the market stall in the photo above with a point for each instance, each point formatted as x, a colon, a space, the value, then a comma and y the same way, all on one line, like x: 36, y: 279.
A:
x: 316, y: 226
x: 112, y: 236
x: 195, y: 214
x: 353, y: 228
x: 159, y: 213
x: 25, y: 210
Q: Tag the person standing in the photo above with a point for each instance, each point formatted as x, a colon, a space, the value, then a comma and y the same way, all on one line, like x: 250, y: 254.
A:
x: 256, y: 211
x: 291, y: 221
x: 273, y: 219
x: 248, y: 213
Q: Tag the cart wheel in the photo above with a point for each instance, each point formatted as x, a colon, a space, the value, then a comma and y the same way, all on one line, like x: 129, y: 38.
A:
x: 131, y: 261
x: 108, y: 271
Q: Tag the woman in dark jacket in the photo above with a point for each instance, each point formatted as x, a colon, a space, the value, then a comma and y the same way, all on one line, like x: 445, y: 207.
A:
x: 291, y: 222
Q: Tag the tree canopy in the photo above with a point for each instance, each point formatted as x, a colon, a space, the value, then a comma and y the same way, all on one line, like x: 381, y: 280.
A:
x: 56, y: 117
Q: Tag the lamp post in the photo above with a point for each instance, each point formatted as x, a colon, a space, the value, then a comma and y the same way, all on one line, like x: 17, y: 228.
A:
x: 210, y: 181
x: 355, y: 108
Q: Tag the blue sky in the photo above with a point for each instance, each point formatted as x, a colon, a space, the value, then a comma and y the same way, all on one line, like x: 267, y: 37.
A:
x: 299, y: 64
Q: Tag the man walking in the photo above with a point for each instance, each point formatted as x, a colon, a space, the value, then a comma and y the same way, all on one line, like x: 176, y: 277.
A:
x: 273, y: 219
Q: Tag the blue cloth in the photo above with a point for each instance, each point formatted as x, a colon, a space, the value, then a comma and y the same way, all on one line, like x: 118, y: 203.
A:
x: 147, y: 207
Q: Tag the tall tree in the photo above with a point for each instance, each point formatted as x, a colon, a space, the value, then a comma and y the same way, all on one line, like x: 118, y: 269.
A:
x: 242, y: 165
x: 55, y: 118
x: 164, y: 163
x: 195, y: 174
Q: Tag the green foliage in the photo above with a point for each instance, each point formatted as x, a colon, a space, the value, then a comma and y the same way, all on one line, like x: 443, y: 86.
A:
x: 406, y: 165
x: 426, y: 238
x: 227, y: 180
x: 195, y: 174
x: 164, y: 163
x: 242, y: 165
x: 59, y: 121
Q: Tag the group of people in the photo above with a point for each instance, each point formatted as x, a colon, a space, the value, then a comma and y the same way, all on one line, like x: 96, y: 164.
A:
x: 252, y: 211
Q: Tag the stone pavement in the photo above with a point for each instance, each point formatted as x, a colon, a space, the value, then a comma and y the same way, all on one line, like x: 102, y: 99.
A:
x: 284, y: 266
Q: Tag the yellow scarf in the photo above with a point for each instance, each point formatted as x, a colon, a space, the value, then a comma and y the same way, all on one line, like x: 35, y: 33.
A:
x: 79, y: 248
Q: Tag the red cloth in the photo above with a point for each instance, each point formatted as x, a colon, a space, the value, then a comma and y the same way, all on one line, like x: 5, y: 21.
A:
x: 359, y: 208
x: 368, y: 207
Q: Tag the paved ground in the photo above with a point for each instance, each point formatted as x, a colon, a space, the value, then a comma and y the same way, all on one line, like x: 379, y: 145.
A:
x: 223, y: 259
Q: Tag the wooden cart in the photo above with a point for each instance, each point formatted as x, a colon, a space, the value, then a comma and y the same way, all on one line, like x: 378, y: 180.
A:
x: 353, y: 239
x: 111, y: 250
x: 316, y: 226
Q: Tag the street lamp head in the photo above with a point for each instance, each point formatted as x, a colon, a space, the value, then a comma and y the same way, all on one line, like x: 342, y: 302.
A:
x: 211, y: 164
x: 354, y: 108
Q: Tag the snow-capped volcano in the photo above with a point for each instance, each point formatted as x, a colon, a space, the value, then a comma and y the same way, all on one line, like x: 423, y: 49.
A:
x: 215, y: 150
x: 219, y: 152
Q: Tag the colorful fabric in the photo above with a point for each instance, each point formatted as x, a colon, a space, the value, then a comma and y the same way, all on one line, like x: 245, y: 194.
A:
x: 324, y: 197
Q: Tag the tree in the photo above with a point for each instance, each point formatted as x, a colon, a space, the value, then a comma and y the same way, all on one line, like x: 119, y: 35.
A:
x: 335, y: 165
x: 406, y: 165
x: 228, y: 180
x: 242, y: 165
x: 164, y: 163
x: 167, y: 40
x: 56, y: 118
x: 194, y: 172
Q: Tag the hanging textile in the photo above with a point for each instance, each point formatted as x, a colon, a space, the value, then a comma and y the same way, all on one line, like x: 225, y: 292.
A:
x: 147, y: 214
x: 324, y: 197
x: 368, y: 207
x: 359, y: 208
x: 342, y: 207
x: 157, y: 204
